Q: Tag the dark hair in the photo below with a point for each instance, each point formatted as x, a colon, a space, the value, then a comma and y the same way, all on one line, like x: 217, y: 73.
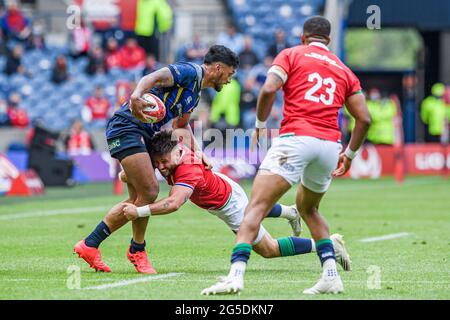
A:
x: 218, y: 53
x: 162, y: 143
x: 317, y: 26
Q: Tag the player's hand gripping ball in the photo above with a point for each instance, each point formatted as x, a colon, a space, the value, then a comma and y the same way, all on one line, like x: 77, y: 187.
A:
x: 155, y: 111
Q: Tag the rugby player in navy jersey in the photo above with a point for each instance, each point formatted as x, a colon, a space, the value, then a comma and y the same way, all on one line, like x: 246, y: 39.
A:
x: 179, y: 86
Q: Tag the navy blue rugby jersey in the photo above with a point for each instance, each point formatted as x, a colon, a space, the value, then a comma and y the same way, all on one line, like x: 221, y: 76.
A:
x: 179, y: 99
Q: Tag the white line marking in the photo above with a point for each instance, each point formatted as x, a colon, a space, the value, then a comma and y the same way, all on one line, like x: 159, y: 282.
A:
x: 132, y: 281
x: 248, y: 280
x: 45, y: 213
x: 386, y: 237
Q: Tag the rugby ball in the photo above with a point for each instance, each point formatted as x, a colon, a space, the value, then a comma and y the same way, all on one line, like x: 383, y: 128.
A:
x: 156, y: 110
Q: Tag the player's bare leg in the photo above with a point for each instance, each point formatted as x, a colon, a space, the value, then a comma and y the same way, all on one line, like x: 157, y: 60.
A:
x: 308, y: 205
x: 137, y: 164
x: 267, y: 190
x: 141, y: 175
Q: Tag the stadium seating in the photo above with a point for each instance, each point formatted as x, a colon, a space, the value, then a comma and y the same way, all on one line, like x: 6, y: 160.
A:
x: 58, y: 105
x: 259, y: 19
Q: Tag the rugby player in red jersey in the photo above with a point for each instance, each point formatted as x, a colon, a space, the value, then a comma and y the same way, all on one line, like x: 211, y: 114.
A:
x: 216, y: 193
x: 316, y: 84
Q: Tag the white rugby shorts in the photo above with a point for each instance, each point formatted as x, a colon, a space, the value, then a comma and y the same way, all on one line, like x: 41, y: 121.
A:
x: 232, y: 213
x: 304, y: 159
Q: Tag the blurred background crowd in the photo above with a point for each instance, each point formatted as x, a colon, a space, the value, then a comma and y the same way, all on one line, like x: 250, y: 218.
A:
x: 72, y: 79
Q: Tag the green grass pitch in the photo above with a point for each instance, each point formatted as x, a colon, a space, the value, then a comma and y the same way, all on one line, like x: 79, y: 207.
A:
x: 37, y: 235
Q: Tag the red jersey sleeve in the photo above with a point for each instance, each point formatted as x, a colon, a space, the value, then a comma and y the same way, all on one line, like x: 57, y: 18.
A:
x: 282, y: 60
x: 354, y: 85
x: 188, y: 176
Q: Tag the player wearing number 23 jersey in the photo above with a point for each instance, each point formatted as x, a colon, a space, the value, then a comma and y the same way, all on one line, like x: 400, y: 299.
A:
x: 317, y: 86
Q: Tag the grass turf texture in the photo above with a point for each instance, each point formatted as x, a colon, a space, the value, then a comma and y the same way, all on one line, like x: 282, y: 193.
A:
x: 36, y: 251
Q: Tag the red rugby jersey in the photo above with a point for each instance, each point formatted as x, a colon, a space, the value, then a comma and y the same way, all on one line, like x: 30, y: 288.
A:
x: 317, y: 86
x: 210, y: 190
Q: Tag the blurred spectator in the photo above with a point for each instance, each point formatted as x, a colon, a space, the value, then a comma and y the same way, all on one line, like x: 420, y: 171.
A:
x: 96, y: 62
x: 248, y: 107
x: 79, y: 141
x: 4, y: 119
x: 257, y: 75
x: 434, y: 113
x: 195, y: 51
x: 3, y: 47
x: 382, y: 111
x: 60, y: 72
x: 14, y: 24
x: 151, y: 65
x: 96, y: 110
x: 226, y: 104
x: 248, y: 57
x: 37, y: 38
x: 132, y: 55
x: 81, y: 39
x: 14, y: 61
x: 152, y: 18
x: 279, y: 44
x: 231, y: 39
x: 123, y: 91
x: 112, y: 56
x: 18, y: 116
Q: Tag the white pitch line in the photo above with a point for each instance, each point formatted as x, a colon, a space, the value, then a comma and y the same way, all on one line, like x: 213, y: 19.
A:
x: 42, y: 213
x: 132, y: 281
x: 386, y: 237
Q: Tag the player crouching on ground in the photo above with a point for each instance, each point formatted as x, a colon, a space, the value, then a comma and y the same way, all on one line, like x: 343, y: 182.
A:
x: 221, y: 196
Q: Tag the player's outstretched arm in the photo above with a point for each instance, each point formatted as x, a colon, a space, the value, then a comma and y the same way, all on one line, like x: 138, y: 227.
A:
x: 177, y: 197
x: 357, y: 107
x: 266, y: 97
x: 160, y: 78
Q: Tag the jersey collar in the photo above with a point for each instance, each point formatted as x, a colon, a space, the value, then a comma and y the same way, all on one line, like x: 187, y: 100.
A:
x: 320, y: 45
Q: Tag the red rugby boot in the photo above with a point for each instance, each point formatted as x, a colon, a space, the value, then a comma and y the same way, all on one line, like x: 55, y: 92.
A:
x: 91, y: 255
x: 140, y: 261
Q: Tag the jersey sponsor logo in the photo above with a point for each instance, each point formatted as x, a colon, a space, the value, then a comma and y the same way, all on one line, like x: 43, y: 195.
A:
x: 114, y: 144
x: 317, y: 56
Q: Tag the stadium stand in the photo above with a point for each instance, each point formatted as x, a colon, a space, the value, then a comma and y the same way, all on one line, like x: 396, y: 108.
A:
x: 259, y: 19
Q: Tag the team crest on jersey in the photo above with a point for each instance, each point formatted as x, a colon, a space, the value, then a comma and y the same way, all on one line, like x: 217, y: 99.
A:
x: 188, y: 100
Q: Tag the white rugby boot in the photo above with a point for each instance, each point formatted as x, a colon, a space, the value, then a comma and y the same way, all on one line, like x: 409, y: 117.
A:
x: 330, y: 282
x: 342, y: 256
x: 295, y: 221
x: 326, y: 285
x: 226, y: 285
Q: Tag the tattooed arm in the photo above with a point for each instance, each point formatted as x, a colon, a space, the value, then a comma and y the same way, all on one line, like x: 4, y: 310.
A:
x: 161, y: 78
x: 177, y: 197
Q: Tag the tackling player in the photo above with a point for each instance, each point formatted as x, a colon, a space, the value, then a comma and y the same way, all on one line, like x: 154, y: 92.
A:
x: 178, y: 86
x: 316, y: 84
x: 221, y: 196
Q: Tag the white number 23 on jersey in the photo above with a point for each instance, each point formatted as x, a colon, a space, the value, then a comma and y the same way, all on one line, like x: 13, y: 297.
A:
x: 330, y: 87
